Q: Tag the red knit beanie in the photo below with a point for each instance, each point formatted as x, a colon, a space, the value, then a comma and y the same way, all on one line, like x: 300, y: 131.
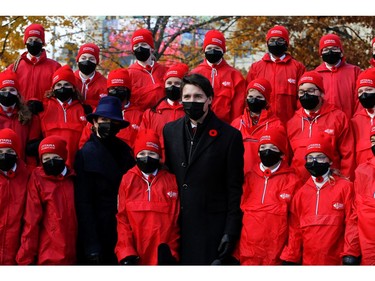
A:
x: 34, y: 30
x: 119, y: 78
x: 262, y: 85
x: 275, y: 136
x: 178, y: 70
x: 214, y: 37
x: 64, y: 73
x: 330, y: 40
x: 372, y: 42
x: 9, y: 139
x: 147, y: 140
x: 313, y: 78
x: 321, y: 142
x: 278, y: 31
x: 53, y: 144
x: 8, y: 78
x: 366, y: 79
x: 89, y: 48
x: 142, y: 35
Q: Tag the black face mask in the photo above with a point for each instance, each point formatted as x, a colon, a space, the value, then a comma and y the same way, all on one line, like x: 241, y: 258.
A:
x: 276, y: 49
x: 331, y: 57
x: 373, y: 149
x: 86, y: 67
x: 194, y: 109
x: 269, y: 157
x: 34, y: 48
x: 53, y: 167
x: 107, y: 130
x: 256, y: 105
x: 173, y: 93
x: 147, y: 164
x: 309, y: 101
x: 63, y: 94
x: 317, y: 169
x: 373, y: 56
x: 367, y: 100
x: 7, y: 99
x: 7, y: 161
x: 122, y: 94
x: 213, y: 56
x: 142, y: 54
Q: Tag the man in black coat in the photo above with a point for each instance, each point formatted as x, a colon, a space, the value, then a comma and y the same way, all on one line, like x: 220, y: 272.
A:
x: 206, y: 155
x: 100, y: 165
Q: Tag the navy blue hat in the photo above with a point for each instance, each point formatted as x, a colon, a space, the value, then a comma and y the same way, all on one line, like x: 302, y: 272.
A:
x: 109, y: 107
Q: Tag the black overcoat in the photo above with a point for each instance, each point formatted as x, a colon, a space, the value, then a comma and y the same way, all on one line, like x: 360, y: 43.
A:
x: 210, y: 185
x: 98, y: 178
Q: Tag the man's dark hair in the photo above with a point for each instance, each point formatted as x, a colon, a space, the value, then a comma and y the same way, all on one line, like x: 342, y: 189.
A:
x: 199, y: 81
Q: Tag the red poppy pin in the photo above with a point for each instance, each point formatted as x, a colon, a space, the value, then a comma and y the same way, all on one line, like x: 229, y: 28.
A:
x: 11, y: 174
x: 212, y: 133
x: 319, y: 179
x: 267, y: 172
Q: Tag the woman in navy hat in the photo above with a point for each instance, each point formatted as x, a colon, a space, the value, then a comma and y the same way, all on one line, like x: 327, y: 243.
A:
x: 99, y: 165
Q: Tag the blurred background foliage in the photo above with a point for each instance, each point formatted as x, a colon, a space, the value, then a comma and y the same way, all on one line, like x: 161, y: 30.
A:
x: 180, y: 38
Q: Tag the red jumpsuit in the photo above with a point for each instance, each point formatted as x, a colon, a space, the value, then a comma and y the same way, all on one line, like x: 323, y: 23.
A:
x: 13, y: 190
x: 321, y: 228
x: 163, y: 114
x: 35, y: 79
x: 283, y: 76
x: 147, y: 84
x: 147, y: 216
x: 66, y: 121
x: 331, y: 121
x: 251, y: 133
x: 131, y: 114
x: 339, y: 86
x: 364, y: 186
x: 50, y: 232
x: 93, y: 89
x: 229, y: 89
x: 361, y: 124
x: 265, y: 204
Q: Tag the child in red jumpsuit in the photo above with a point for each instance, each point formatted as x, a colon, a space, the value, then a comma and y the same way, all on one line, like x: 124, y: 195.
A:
x: 148, y: 209
x: 170, y: 107
x: 322, y: 230
x: 364, y: 186
x: 50, y: 224
x: 268, y: 191
x: 13, y: 189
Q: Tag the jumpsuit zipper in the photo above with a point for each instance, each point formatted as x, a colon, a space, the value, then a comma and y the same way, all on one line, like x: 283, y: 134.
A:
x: 264, y: 189
x: 317, y: 201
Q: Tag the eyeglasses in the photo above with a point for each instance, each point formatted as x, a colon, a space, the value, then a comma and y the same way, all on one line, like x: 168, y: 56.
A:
x: 309, y: 91
x: 319, y: 158
x: 278, y: 41
x: 5, y: 94
x: 334, y: 49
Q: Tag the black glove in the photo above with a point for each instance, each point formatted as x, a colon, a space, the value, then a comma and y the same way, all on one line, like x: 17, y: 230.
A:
x: 93, y: 259
x: 217, y: 262
x: 350, y: 260
x: 35, y: 106
x: 226, y: 246
x: 87, y: 108
x: 32, y: 147
x: 230, y: 260
x: 130, y: 260
x: 289, y: 263
x: 165, y: 255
